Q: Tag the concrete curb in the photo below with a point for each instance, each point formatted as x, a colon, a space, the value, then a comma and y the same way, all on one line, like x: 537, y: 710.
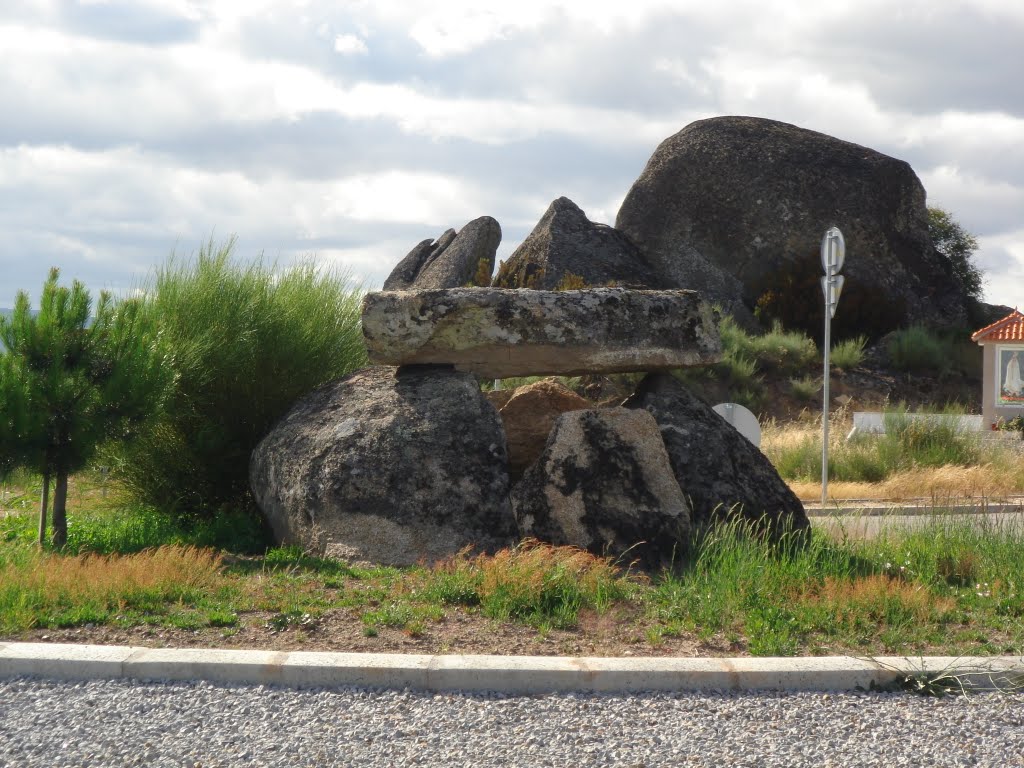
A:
x: 869, y: 509
x: 509, y: 674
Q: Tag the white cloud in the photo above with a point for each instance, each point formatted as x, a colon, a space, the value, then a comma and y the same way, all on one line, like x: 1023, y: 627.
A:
x: 343, y: 125
x: 350, y: 45
x: 1002, y: 258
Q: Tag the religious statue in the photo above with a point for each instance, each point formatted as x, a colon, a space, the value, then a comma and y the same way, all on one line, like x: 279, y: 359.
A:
x: 1011, y: 380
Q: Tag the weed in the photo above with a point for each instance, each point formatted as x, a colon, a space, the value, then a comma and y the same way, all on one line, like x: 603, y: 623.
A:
x: 571, y: 282
x: 292, y: 619
x: 958, y: 570
x: 959, y: 677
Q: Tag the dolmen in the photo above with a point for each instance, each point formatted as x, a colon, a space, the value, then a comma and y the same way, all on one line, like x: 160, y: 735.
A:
x: 408, y: 461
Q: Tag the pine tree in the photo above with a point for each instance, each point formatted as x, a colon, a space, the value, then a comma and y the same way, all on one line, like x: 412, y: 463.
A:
x: 75, y: 381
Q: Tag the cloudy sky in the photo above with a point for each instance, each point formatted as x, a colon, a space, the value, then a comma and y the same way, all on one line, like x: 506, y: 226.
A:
x: 349, y: 131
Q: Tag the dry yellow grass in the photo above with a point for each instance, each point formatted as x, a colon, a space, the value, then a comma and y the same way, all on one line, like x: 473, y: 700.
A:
x: 170, y: 569
x: 941, y: 484
x: 877, y: 597
x: 531, y: 566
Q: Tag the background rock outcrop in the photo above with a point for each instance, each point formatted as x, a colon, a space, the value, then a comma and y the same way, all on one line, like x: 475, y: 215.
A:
x: 389, y: 467
x: 720, y: 472
x: 567, y: 250
x: 604, y: 484
x: 735, y: 208
x: 452, y: 261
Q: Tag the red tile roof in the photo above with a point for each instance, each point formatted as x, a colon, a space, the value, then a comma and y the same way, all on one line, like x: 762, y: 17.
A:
x: 1010, y: 328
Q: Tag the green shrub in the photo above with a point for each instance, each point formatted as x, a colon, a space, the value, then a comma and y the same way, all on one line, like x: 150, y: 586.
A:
x: 739, y: 371
x: 849, y: 353
x: 785, y: 351
x: 907, y: 443
x: 805, y: 388
x: 778, y: 349
x: 738, y: 376
x: 917, y: 349
x: 243, y: 342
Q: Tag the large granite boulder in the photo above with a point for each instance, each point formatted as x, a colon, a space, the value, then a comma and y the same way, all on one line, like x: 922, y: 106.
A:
x: 389, y: 467
x: 604, y: 484
x: 528, y: 416
x: 735, y: 207
x: 453, y: 261
x: 567, y: 250
x: 497, y: 333
x: 721, y: 473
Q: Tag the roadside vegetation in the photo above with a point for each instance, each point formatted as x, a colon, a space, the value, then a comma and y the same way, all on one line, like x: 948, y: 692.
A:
x: 171, y: 389
x: 947, y: 588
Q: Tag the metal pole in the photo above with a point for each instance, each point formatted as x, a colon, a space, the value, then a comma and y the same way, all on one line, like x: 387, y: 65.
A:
x: 829, y: 277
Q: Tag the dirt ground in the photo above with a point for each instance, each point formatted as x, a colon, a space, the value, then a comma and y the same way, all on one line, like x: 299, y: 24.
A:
x: 460, y: 632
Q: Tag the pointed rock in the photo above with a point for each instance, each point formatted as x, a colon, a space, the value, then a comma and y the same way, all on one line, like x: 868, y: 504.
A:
x: 568, y: 250
x: 454, y: 261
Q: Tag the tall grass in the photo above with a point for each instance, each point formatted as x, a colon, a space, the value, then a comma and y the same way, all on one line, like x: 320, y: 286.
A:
x: 902, y: 590
x: 244, y: 341
x: 915, y: 457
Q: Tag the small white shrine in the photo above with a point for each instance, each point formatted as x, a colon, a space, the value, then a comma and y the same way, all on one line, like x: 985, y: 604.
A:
x: 1003, y: 342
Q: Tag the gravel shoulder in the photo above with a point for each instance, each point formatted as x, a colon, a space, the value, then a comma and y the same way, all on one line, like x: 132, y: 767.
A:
x: 202, y: 725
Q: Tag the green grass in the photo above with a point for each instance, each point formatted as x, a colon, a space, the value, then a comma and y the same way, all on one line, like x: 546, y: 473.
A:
x: 948, y: 588
x: 746, y: 358
x: 103, y: 519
